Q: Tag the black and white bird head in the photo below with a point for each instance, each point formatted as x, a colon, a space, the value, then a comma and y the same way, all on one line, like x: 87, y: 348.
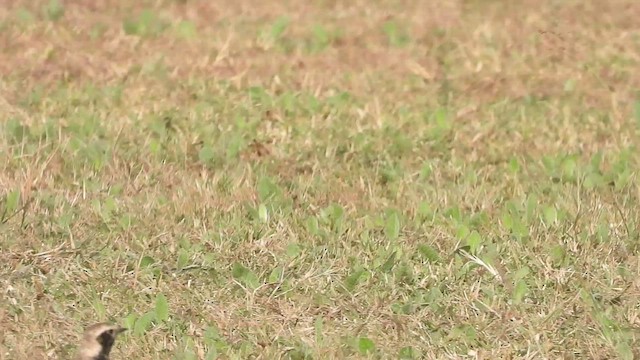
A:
x: 98, y: 340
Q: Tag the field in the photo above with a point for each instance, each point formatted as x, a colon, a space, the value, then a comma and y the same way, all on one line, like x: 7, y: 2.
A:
x: 329, y: 179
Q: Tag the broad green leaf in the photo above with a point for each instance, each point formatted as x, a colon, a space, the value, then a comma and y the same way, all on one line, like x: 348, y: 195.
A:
x: 521, y: 289
x: 365, y: 345
x: 426, y: 171
x: 389, y: 264
x: 245, y: 276
x: 162, y: 308
x: 352, y: 280
x: 263, y: 213
x: 424, y: 211
x: 212, y: 354
x: 13, y: 199
x: 312, y: 225
x: 550, y: 215
x: 276, y: 275
x: 130, y: 321
x: 99, y: 308
x: 143, y: 323
x: 318, y: 326
x: 146, y: 261
x: 211, y: 334
x: 521, y: 273
x: 474, y: 240
x: 392, y: 226
x: 407, y: 353
x: 462, y: 232
x: 55, y: 10
x: 293, y: 250
x: 184, y: 258
x: 557, y: 254
x: 206, y: 154
x: 429, y: 253
x: 624, y: 350
x: 267, y: 189
x: 186, y: 29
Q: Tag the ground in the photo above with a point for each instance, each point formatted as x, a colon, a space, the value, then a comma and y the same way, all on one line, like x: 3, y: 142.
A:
x: 321, y: 180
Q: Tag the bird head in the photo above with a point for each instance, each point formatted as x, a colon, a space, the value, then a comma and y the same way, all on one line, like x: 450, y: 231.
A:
x: 98, y: 340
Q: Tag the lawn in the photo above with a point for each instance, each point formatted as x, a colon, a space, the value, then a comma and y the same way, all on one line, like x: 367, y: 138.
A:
x: 329, y: 179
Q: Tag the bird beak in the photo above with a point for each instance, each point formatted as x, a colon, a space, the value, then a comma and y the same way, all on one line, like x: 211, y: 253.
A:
x: 120, y: 330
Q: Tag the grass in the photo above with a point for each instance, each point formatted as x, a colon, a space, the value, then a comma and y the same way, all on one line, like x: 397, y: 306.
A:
x: 329, y: 180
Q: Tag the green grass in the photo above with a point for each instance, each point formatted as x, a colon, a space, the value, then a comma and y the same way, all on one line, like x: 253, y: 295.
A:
x: 302, y: 182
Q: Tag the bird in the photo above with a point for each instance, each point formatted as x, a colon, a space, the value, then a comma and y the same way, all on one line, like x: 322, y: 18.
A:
x: 97, y: 341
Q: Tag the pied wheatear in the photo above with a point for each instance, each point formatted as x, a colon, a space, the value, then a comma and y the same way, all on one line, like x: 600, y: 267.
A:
x: 97, y: 341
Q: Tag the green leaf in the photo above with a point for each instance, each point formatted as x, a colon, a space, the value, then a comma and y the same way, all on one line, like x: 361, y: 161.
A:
x: 293, y: 250
x: 318, y: 326
x: 569, y: 85
x: 396, y: 34
x: 429, y: 253
x: 474, y: 240
x: 25, y: 16
x: 514, y: 165
x: 352, y: 280
x: 334, y: 214
x: 276, y: 275
x: 263, y: 214
x: 188, y: 354
x: 507, y: 220
x: 184, y: 258
x: 392, y: 226
x: 16, y: 131
x: 130, y: 26
x: 462, y: 232
x: 407, y: 353
x: 245, y: 276
x: 146, y: 261
x: 147, y: 23
x: 162, y: 308
x: 212, y: 354
x: 206, y: 154
x: 321, y: 38
x: 267, y: 189
x: 365, y: 345
x: 550, y: 215
x: 55, y: 10
x: 125, y: 221
x: 442, y: 119
x: 99, y: 308
x: 13, y: 199
x: 569, y: 166
x: 521, y: 273
x: 624, y: 350
x: 531, y: 208
x: 278, y: 28
x: 143, y: 323
x: 312, y: 225
x: 424, y: 211
x: 465, y: 332
x: 186, y: 29
x: 130, y: 321
x: 557, y: 254
x: 521, y: 289
x: 426, y: 171
x: 602, y: 233
x: 389, y: 264
x: 211, y: 334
